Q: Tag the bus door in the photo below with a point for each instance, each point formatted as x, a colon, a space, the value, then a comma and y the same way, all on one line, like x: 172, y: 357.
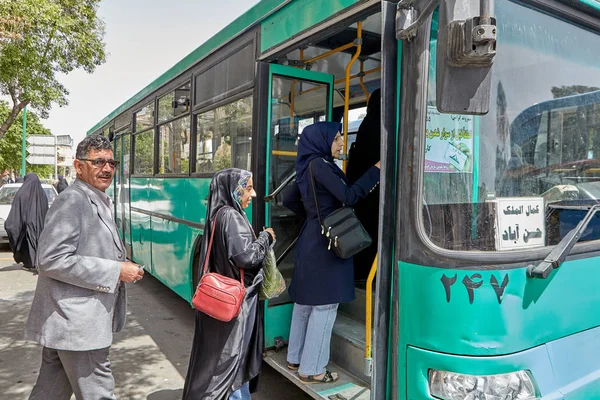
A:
x: 118, y: 181
x: 297, y: 98
x: 122, y: 154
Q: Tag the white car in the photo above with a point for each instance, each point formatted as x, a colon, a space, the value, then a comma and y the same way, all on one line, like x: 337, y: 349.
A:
x: 7, y: 195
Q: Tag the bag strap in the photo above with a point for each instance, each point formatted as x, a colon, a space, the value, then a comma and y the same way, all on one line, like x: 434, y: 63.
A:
x: 312, y: 180
x: 208, y: 251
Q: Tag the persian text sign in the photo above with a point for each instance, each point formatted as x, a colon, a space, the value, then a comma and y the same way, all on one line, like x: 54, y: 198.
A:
x: 449, y: 142
x: 520, y: 223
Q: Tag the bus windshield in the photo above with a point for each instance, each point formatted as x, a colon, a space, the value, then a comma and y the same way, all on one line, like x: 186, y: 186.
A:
x: 491, y: 182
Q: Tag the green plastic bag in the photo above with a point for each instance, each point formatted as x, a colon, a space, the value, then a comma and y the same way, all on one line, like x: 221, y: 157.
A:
x: 273, y: 284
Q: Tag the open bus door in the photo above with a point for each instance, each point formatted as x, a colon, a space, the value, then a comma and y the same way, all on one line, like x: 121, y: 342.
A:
x: 297, y: 98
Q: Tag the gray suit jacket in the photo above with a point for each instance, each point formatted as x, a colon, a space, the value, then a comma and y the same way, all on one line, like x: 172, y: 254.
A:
x: 78, y: 300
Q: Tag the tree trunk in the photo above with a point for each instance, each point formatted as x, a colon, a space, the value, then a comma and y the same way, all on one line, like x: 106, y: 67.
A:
x: 17, y: 108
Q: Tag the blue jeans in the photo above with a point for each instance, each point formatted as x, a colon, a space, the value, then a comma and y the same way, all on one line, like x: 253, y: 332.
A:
x: 242, y: 393
x: 310, y: 337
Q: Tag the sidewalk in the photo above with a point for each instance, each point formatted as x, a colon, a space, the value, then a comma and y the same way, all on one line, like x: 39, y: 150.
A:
x: 149, y: 358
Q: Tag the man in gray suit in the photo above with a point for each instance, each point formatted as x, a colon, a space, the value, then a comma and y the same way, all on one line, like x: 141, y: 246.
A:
x: 80, y: 297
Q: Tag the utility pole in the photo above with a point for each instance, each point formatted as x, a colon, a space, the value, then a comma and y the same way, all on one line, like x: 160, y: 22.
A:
x: 24, y: 143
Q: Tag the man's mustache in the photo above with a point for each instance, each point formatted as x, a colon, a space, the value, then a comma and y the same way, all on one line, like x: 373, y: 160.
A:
x: 104, y: 175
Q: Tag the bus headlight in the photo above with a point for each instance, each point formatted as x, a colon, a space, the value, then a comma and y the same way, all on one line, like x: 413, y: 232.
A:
x: 452, y: 386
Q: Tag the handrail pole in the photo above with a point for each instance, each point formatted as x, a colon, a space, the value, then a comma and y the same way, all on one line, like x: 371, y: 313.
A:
x: 362, y: 81
x: 329, y: 53
x: 292, y: 105
x: 347, y: 90
x: 369, y: 72
x: 369, y: 317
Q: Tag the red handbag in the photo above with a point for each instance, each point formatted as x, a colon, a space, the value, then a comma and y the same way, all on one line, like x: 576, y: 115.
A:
x: 216, y: 295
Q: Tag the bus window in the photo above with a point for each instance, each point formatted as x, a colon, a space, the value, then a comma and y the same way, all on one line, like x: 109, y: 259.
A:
x: 174, y: 103
x: 224, y: 137
x: 144, y: 118
x: 143, y: 160
x: 174, y: 147
x: 539, y: 140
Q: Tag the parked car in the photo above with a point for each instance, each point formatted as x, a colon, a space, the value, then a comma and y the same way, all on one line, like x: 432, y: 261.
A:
x: 7, y: 195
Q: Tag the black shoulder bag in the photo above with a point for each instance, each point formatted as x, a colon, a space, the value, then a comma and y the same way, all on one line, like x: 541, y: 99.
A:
x: 346, y: 234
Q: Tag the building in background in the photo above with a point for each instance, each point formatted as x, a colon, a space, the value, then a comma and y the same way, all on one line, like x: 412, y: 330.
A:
x: 64, y: 149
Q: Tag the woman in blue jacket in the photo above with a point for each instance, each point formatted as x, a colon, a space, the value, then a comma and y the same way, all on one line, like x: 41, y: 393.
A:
x: 321, y: 280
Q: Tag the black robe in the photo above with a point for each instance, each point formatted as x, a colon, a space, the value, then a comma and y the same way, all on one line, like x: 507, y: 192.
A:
x: 226, y: 355
x: 61, y: 185
x: 366, y: 152
x: 25, y: 220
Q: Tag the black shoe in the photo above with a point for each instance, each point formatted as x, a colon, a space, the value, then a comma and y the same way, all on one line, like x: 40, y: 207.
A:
x: 30, y: 269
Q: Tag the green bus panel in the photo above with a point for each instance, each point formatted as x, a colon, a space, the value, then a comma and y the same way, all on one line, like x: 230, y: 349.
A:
x: 278, y: 321
x: 506, y: 314
x: 172, y: 255
x: 141, y: 239
x: 296, y: 17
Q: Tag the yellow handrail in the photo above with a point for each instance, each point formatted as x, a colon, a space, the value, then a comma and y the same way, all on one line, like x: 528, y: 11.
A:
x: 371, y: 71
x: 347, y: 90
x: 362, y: 81
x: 329, y: 53
x: 292, y: 104
x: 284, y: 153
x: 369, y: 308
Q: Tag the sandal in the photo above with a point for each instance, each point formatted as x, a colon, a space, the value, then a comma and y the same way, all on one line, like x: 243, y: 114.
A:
x: 328, y: 377
x: 292, y: 366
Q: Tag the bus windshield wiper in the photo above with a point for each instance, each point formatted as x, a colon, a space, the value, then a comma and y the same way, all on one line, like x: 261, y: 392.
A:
x: 563, y: 249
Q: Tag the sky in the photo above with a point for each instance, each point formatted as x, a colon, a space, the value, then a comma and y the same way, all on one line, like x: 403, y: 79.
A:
x: 143, y: 39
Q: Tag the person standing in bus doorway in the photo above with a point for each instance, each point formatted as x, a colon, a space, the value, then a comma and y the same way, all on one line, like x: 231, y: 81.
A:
x: 365, y: 152
x: 227, y: 356
x: 321, y: 280
x: 25, y: 221
x: 80, y: 299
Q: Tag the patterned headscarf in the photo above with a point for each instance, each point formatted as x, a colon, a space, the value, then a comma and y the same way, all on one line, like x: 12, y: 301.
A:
x: 241, y: 186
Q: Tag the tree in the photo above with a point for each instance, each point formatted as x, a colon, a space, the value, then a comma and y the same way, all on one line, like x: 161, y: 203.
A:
x: 564, y: 91
x: 10, y: 145
x: 38, y: 40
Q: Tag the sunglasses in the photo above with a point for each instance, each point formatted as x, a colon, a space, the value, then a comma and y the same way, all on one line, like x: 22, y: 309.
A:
x: 100, y: 162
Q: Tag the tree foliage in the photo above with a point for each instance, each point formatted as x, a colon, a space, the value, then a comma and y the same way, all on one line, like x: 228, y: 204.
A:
x: 564, y: 91
x: 10, y: 144
x: 40, y: 39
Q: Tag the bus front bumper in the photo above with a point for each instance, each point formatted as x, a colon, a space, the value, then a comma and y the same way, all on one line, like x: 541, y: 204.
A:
x: 567, y: 368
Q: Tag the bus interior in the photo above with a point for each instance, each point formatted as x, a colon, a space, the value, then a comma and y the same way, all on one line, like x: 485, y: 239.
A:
x: 297, y: 103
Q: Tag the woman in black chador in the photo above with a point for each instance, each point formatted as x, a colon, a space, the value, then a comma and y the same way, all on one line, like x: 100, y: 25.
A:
x: 227, y: 356
x: 26, y: 220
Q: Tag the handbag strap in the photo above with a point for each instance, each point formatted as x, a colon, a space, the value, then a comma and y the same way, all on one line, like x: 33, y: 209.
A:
x: 312, y: 181
x: 212, y: 235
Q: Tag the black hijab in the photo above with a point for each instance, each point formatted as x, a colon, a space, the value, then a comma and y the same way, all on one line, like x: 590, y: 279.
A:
x: 26, y: 219
x: 223, y: 188
x: 366, y: 150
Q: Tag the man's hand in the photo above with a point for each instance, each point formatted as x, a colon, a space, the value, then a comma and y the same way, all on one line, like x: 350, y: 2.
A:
x: 130, y: 272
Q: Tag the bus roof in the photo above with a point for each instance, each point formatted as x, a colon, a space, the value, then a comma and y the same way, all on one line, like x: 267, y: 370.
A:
x: 241, y: 24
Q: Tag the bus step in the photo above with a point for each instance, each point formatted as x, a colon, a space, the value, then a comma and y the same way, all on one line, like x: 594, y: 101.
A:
x: 346, y: 387
x: 356, y: 308
x: 348, y: 345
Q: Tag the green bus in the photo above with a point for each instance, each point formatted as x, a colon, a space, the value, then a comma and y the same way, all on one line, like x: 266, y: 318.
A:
x: 485, y: 282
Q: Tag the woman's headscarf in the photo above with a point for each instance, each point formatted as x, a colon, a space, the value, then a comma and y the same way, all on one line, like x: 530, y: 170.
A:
x: 226, y: 189
x: 315, y: 141
x: 25, y: 221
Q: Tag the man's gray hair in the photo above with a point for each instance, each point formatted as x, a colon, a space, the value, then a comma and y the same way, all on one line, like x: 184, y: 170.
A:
x: 93, y: 142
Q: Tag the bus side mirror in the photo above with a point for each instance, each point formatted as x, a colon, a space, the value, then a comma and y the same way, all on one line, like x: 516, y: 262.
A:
x: 466, y: 47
